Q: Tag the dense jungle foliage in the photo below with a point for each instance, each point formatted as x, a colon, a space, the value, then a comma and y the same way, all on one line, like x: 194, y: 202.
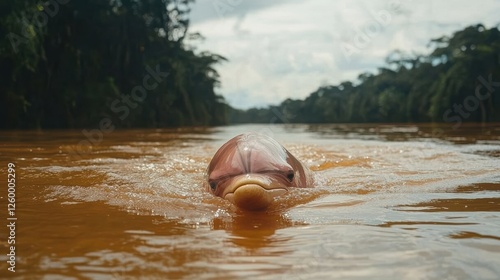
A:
x: 68, y: 64
x: 73, y: 64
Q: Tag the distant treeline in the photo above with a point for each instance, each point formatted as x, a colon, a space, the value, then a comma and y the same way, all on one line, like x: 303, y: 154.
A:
x: 131, y: 63
x: 459, y: 81
x: 121, y: 63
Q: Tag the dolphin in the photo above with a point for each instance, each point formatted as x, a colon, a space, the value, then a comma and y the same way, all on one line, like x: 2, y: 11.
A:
x: 253, y: 168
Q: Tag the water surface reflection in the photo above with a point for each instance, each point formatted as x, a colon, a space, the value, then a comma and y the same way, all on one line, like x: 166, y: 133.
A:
x: 392, y: 201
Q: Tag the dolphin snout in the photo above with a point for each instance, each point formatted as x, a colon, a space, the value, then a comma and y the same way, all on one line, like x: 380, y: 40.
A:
x: 253, y: 192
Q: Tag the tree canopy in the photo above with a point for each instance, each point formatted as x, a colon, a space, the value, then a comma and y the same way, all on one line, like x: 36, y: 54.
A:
x: 67, y: 64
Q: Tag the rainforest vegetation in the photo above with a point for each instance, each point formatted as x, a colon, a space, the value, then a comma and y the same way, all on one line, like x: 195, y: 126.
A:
x: 459, y: 81
x: 69, y: 64
x: 73, y: 64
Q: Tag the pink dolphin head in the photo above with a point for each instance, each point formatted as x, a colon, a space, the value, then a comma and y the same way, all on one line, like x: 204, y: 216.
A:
x: 251, y: 169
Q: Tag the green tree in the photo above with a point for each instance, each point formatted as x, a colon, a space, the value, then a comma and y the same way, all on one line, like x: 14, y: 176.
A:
x: 69, y: 70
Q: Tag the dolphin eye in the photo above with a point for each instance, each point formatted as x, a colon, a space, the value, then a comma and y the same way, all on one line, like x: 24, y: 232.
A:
x: 213, y: 185
x: 290, y: 176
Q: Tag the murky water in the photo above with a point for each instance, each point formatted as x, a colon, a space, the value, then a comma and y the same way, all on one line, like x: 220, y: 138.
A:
x: 400, y: 202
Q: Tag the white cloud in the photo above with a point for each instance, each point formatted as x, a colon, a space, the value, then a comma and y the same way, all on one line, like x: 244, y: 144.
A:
x: 287, y: 49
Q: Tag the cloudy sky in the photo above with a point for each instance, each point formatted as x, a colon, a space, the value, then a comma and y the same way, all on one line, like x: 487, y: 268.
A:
x: 288, y: 48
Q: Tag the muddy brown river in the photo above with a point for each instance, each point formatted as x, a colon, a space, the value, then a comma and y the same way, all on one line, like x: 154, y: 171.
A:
x: 391, y: 202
